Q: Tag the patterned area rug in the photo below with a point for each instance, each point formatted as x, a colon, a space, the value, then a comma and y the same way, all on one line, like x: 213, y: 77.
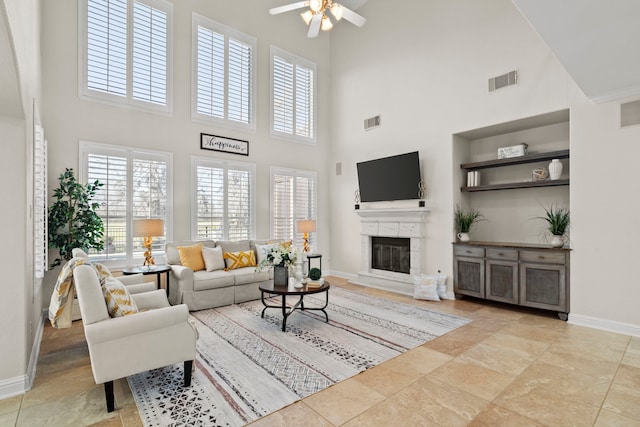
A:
x: 246, y: 367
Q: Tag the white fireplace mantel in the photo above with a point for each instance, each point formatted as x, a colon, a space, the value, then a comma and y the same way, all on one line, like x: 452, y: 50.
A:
x: 399, y: 222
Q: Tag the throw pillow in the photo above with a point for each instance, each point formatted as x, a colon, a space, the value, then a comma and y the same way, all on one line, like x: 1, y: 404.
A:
x: 263, y: 250
x: 213, y: 259
x: 442, y: 286
x: 239, y: 259
x: 191, y: 256
x: 425, y: 287
x: 119, y: 302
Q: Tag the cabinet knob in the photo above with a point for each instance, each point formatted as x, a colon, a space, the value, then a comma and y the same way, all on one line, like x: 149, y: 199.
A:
x: 500, y: 254
x: 468, y: 251
x: 540, y: 257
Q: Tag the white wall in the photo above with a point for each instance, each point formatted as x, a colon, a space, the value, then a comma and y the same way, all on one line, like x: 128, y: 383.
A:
x: 425, y: 70
x: 68, y: 119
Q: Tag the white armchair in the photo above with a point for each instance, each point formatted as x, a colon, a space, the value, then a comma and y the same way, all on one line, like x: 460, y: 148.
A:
x: 158, y: 335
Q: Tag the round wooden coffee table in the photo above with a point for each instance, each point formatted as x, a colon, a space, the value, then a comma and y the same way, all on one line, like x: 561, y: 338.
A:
x: 285, y: 291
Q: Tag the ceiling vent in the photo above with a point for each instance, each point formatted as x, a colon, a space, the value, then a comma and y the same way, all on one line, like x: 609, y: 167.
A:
x: 630, y: 114
x: 504, y: 80
x: 372, y: 123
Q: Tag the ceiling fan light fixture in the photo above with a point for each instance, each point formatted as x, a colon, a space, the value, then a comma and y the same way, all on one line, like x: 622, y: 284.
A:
x: 326, y: 23
x: 307, y: 16
x: 316, y: 5
x: 337, y: 10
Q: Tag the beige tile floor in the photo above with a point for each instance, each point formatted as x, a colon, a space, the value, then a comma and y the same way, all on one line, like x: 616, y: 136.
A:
x: 508, y: 367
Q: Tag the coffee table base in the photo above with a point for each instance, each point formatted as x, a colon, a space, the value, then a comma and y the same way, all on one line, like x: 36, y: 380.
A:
x: 288, y: 311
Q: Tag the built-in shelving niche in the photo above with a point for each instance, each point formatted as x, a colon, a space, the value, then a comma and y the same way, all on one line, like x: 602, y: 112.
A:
x: 511, y: 213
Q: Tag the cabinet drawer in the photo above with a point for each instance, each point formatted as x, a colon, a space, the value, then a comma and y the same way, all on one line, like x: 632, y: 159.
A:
x: 496, y: 253
x: 543, y: 257
x: 473, y: 251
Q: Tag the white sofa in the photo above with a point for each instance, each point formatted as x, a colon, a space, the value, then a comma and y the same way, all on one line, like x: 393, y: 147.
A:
x: 203, y: 289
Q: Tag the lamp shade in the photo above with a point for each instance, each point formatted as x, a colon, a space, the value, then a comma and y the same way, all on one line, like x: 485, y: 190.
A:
x: 148, y: 227
x: 306, y: 225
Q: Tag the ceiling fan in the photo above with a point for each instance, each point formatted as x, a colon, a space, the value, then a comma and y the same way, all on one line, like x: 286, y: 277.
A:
x: 321, y: 13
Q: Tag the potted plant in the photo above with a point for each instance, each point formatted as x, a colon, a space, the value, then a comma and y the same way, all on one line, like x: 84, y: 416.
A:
x: 464, y: 219
x: 73, y: 220
x: 557, y: 224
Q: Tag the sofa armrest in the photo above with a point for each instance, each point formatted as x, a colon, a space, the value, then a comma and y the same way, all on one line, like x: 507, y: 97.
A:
x: 141, y: 288
x: 151, y: 300
x: 131, y: 279
x: 139, y: 323
x: 183, y: 276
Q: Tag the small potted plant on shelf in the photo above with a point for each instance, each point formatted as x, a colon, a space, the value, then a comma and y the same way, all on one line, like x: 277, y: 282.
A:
x: 557, y: 224
x: 464, y: 219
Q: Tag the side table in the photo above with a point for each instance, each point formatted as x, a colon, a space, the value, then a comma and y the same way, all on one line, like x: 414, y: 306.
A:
x: 314, y: 256
x: 154, y: 269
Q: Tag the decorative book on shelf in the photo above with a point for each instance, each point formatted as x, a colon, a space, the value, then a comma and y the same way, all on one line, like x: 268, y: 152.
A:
x: 314, y: 283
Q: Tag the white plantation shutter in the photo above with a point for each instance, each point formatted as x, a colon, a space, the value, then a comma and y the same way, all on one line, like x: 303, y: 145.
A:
x: 126, y: 52
x: 149, y: 54
x: 136, y: 185
x: 292, y: 96
x: 293, y: 197
x: 107, y: 46
x: 223, y: 200
x: 224, y: 74
x: 40, y: 232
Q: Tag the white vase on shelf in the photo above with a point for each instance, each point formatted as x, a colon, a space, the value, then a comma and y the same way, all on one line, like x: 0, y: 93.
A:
x: 555, y: 169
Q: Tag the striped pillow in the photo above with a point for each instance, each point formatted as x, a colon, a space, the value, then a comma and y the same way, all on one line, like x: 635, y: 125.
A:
x: 119, y: 302
x: 235, y: 260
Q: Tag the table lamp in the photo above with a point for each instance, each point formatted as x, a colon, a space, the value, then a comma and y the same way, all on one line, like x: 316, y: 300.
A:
x: 147, y: 229
x: 306, y: 226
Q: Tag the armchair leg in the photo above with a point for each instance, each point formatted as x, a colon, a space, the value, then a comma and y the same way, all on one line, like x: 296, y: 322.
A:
x: 188, y: 367
x: 108, y: 391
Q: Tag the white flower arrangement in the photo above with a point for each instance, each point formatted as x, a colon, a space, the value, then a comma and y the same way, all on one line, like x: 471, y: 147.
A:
x: 284, y: 254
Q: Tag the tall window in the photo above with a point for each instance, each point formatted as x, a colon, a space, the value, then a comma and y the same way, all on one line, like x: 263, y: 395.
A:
x: 125, y: 49
x: 293, y: 100
x: 136, y: 185
x: 224, y: 74
x: 293, y: 197
x: 223, y: 200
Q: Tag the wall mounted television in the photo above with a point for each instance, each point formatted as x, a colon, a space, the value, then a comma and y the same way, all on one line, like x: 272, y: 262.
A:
x: 390, y: 178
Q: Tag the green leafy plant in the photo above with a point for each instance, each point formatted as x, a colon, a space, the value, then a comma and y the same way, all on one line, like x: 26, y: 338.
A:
x: 315, y: 273
x: 464, y: 219
x: 73, y: 221
x: 557, y: 220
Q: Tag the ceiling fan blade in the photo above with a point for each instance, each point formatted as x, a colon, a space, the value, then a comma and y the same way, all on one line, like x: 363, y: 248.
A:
x: 314, y: 25
x: 354, y: 18
x: 352, y: 4
x: 288, y: 7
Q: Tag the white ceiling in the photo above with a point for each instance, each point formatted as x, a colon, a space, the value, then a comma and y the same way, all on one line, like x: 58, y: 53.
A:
x: 595, y: 40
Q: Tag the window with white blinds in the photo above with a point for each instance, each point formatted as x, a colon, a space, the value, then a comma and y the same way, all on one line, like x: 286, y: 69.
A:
x: 224, y: 74
x: 292, y: 96
x: 136, y: 185
x: 126, y: 52
x: 223, y: 200
x: 40, y: 211
x: 293, y: 197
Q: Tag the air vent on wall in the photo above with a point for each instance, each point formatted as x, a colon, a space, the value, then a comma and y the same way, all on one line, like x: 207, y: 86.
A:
x: 630, y: 114
x: 372, y: 123
x: 504, y: 80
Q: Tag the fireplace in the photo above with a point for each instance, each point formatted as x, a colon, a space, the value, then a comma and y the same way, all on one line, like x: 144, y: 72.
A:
x: 391, y: 254
x: 391, y: 249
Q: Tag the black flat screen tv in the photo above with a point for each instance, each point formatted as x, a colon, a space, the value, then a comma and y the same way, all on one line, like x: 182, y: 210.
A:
x: 390, y: 178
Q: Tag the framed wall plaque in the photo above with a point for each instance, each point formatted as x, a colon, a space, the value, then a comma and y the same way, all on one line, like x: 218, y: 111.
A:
x: 224, y: 144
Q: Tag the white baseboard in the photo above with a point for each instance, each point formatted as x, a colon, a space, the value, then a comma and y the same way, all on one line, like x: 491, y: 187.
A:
x: 22, y: 383
x: 342, y: 274
x: 604, y: 324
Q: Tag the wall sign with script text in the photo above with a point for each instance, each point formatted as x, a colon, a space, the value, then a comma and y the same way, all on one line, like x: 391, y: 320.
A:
x: 224, y: 144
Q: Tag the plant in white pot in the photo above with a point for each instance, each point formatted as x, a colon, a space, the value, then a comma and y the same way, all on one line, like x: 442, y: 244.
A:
x: 557, y: 220
x: 464, y: 219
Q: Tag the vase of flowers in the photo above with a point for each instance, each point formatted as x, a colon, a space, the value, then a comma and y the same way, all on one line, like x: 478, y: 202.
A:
x: 280, y: 258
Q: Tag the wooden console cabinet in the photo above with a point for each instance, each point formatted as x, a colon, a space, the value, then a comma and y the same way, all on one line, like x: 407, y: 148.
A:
x: 523, y: 274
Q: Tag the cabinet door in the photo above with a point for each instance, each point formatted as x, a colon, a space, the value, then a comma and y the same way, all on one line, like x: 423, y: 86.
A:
x: 543, y: 286
x: 469, y: 276
x: 502, y: 281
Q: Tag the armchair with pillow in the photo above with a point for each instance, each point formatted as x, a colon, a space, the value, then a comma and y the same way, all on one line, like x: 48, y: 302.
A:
x: 211, y: 273
x: 127, y: 334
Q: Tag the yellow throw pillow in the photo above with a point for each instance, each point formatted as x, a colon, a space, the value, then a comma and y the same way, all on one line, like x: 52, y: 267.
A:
x: 119, y: 302
x: 239, y: 259
x: 191, y: 256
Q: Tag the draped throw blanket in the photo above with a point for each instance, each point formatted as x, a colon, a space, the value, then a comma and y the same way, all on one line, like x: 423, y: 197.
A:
x: 61, y: 304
